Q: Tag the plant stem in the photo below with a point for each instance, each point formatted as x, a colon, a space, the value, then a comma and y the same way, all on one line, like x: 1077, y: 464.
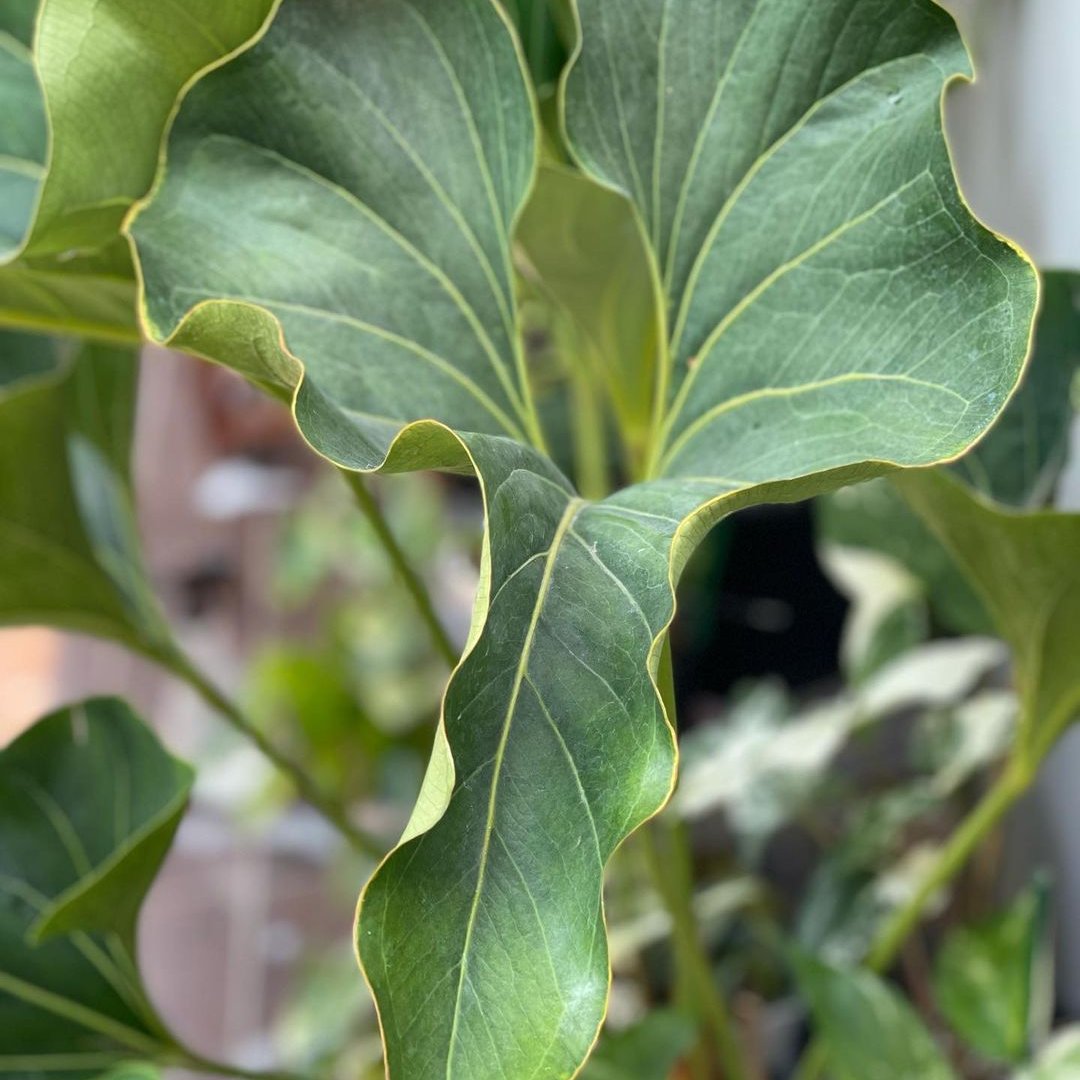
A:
x: 181, y: 666
x: 667, y: 848
x: 409, y: 577
x: 963, y: 843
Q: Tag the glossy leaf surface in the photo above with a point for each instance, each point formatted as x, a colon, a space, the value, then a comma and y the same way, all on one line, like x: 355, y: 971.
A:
x: 89, y: 803
x: 349, y: 247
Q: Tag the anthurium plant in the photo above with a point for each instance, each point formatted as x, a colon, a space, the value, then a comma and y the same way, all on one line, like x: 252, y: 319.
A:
x: 740, y: 226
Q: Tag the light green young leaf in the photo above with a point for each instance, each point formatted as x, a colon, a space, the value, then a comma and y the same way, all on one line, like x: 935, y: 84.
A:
x: 580, y: 245
x: 23, y: 141
x: 1026, y: 569
x: 89, y: 803
x: 69, y: 548
x: 85, y: 94
x: 992, y: 981
x: 349, y: 247
x: 869, y: 1031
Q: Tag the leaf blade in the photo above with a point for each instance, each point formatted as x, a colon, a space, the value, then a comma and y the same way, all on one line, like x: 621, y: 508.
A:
x: 90, y: 801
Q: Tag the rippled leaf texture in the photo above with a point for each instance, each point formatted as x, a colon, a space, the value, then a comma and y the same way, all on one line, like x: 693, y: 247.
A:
x: 89, y: 803
x: 334, y: 220
x: 788, y: 165
x: 1025, y: 568
x: 69, y: 549
x: 83, y: 104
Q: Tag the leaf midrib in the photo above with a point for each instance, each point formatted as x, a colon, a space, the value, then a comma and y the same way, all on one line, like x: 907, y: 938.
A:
x: 521, y: 673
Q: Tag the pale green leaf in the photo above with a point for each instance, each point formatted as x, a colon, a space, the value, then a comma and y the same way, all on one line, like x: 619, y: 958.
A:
x: 887, y: 614
x: 334, y: 219
x: 874, y: 518
x: 89, y: 803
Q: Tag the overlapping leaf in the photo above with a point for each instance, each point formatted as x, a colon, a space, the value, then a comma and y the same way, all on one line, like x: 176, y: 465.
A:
x: 89, y: 803
x: 69, y: 550
x: 1018, y: 464
x: 85, y: 93
x: 334, y: 220
x: 1020, y: 460
x: 819, y: 265
x: 1025, y: 568
x: 994, y: 981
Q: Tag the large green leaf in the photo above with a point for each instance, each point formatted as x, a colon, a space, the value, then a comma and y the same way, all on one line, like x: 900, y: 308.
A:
x: 1025, y: 568
x: 69, y: 549
x: 817, y: 260
x: 1018, y: 463
x: 89, y: 803
x: 993, y: 981
x: 868, y: 1030
x: 84, y: 99
x: 1020, y: 460
x: 334, y: 219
